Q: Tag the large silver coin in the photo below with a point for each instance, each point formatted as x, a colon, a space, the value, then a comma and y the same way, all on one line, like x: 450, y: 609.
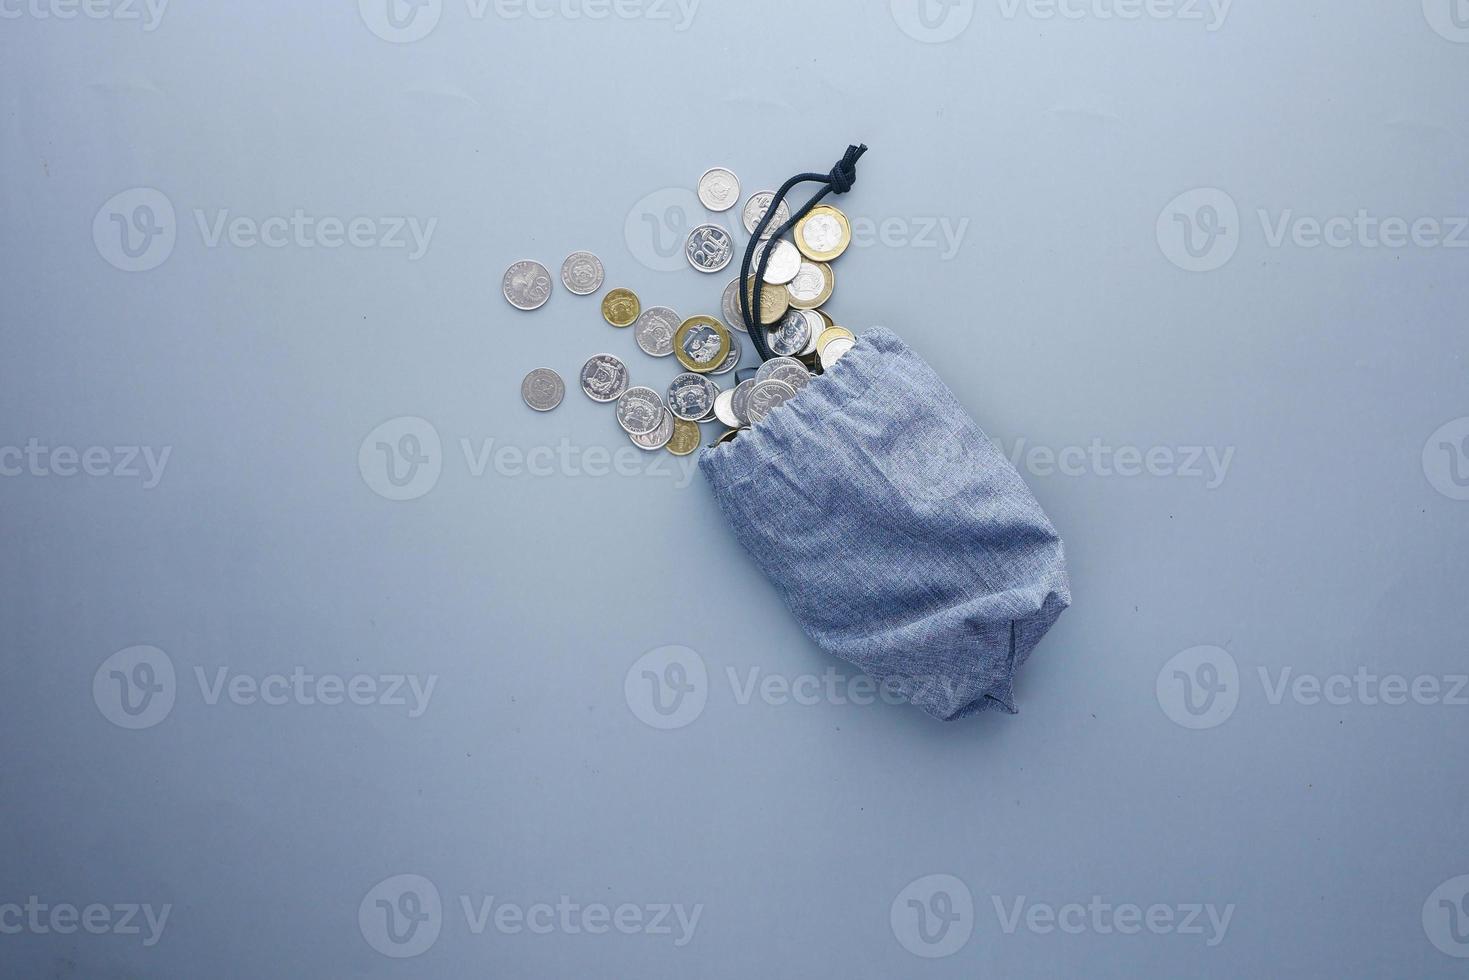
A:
x: 527, y: 285
x: 768, y: 369
x: 543, y: 389
x: 719, y: 189
x: 755, y: 209
x: 639, y: 411
x: 604, y: 378
x: 791, y: 335
x: 691, y: 396
x: 794, y: 375
x: 729, y: 306
x: 740, y: 402
x: 785, y: 261
x: 709, y: 248
x: 654, y: 329
x: 582, y: 273
x: 766, y: 397
x: 724, y: 410
x: 659, y: 437
x: 733, y: 360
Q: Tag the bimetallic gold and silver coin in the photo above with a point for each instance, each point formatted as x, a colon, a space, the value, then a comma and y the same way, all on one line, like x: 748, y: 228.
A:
x: 620, y: 307
x: 685, y: 437
x: 582, y: 273
x: 833, y: 333
x: 527, y: 285
x: 755, y: 209
x: 823, y: 234
x: 654, y: 330
x: 813, y: 285
x: 701, y: 344
x: 834, y: 351
x: 543, y: 389
x: 691, y: 396
x: 766, y: 397
x: 709, y: 248
x: 603, y: 378
x: 659, y: 437
x: 791, y: 336
x: 719, y: 189
x: 639, y: 410
x: 785, y: 261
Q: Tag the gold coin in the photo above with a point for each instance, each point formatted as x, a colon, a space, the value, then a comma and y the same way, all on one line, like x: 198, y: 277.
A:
x: 813, y: 285
x: 685, y: 437
x: 620, y: 307
x: 775, y: 302
x: 823, y: 234
x: 728, y: 436
x: 701, y: 344
x: 830, y: 334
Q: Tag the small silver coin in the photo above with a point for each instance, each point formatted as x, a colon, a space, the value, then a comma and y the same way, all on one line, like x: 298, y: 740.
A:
x: 733, y: 360
x: 724, y: 410
x: 817, y: 326
x: 834, y: 350
x: 785, y: 261
x: 543, y: 389
x: 691, y: 396
x: 654, y: 329
x: 791, y: 335
x: 755, y: 209
x: 766, y: 397
x: 729, y: 306
x: 659, y: 437
x: 604, y: 378
x: 768, y: 369
x: 739, y: 404
x: 709, y: 248
x: 639, y: 411
x: 582, y: 273
x: 527, y: 285
x: 719, y: 189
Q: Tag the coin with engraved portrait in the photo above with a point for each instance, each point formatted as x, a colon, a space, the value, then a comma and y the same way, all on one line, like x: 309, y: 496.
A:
x: 654, y: 330
x: 527, y: 285
x: 543, y: 389
x: 823, y: 234
x: 701, y: 344
x: 639, y: 410
x: 755, y: 209
x: 582, y: 273
x: 791, y: 336
x: 690, y: 396
x: 604, y: 378
x: 709, y: 248
x: 620, y: 307
x: 766, y: 397
x: 659, y: 437
x: 719, y: 189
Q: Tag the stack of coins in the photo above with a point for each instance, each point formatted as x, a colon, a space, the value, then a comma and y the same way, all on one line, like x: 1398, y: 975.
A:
x: 799, y: 280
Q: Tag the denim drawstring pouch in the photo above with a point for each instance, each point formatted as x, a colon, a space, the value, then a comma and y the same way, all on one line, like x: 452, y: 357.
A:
x: 892, y: 527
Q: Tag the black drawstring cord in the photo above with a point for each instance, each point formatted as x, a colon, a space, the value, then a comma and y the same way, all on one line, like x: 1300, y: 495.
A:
x: 839, y: 181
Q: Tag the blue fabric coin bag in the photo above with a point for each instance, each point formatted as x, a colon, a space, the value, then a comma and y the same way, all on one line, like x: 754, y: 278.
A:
x: 894, y: 529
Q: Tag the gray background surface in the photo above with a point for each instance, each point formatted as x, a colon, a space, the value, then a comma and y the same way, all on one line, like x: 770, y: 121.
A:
x: 1331, y: 379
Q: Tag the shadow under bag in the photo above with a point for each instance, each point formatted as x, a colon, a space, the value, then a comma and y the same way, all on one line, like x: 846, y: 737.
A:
x: 895, y: 530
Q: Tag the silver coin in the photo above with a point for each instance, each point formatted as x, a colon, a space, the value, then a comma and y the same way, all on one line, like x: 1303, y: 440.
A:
x: 729, y: 305
x: 654, y: 329
x: 604, y: 378
x: 639, y: 411
x: 790, y: 336
x: 691, y: 396
x: 719, y: 189
x: 659, y: 437
x: 724, y: 410
x: 527, y: 285
x: 785, y: 261
x: 768, y: 369
x: 807, y: 285
x: 817, y: 326
x: 709, y: 248
x: 766, y: 397
x: 794, y: 375
x: 834, y: 350
x: 733, y: 360
x: 582, y: 273
x: 755, y: 209
x: 739, y: 404
x: 543, y: 389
